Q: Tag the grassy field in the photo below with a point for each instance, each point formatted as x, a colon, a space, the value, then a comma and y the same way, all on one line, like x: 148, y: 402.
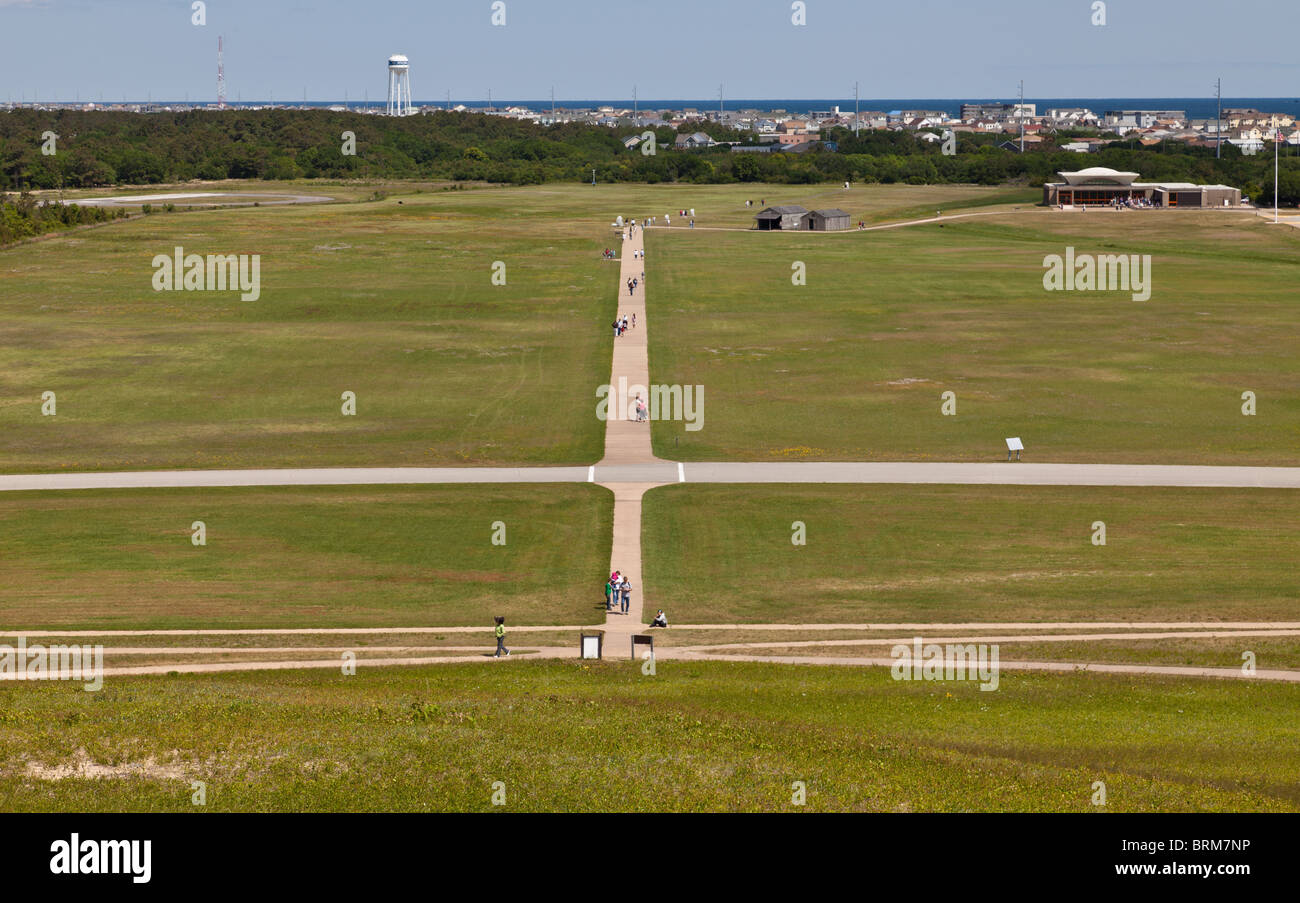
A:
x: 723, y: 554
x: 698, y: 736
x: 852, y: 365
x: 390, y: 299
x: 304, y: 557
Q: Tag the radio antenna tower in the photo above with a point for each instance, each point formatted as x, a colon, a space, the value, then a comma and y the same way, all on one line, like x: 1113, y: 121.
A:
x: 221, y: 77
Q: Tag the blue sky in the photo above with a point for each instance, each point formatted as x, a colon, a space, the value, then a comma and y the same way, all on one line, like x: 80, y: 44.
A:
x: 64, y: 49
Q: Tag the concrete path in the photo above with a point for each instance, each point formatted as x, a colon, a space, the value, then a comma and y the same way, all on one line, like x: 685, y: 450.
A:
x: 1001, y: 473
x: 626, y: 441
x: 628, y: 460
x: 201, y: 199
x: 304, y: 476
x: 925, y: 629
x: 629, y: 467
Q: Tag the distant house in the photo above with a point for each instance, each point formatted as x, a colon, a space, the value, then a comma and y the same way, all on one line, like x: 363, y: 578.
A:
x: 694, y: 140
x: 787, y: 217
x: 826, y: 220
x: 631, y: 141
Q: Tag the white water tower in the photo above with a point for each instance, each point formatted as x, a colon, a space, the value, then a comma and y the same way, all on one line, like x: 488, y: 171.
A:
x: 399, y: 85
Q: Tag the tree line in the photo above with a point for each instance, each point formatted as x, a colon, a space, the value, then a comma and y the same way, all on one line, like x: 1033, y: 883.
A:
x: 105, y: 148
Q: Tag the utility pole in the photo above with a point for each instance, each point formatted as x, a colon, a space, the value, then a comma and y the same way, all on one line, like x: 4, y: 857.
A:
x: 449, y: 98
x: 1218, y: 117
x: 855, y: 108
x: 634, y: 114
x: 719, y: 102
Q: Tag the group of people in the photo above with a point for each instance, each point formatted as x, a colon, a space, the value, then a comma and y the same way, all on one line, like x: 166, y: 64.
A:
x: 618, y: 591
x: 623, y: 324
x: 632, y: 283
x: 762, y: 203
x: 1131, y: 202
x: 609, y: 254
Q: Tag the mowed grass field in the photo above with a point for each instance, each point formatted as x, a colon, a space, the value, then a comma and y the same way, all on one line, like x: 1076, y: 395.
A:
x: 700, y: 736
x: 305, y: 557
x: 852, y: 365
x: 956, y: 554
x: 391, y: 299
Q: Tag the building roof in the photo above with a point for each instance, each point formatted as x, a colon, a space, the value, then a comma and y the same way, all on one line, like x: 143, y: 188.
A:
x: 833, y: 211
x: 1098, y: 175
x: 784, y: 210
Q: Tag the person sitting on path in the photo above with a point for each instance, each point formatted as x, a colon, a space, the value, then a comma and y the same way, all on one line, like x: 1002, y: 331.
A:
x: 661, y: 620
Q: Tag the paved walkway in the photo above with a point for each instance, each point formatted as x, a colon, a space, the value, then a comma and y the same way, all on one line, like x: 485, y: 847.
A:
x: 628, y: 460
x: 201, y: 199
x: 629, y: 467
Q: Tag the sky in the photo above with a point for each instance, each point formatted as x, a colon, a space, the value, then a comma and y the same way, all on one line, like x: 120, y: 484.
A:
x: 668, y: 49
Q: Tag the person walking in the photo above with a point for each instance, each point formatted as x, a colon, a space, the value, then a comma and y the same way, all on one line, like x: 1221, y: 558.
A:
x: 501, y: 638
x: 627, y: 594
x: 609, y: 593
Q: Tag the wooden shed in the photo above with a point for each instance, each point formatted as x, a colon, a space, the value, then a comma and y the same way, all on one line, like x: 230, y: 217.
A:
x: 785, y: 217
x: 826, y: 220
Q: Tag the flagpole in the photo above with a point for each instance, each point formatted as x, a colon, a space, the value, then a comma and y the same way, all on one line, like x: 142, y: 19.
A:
x: 1277, y: 139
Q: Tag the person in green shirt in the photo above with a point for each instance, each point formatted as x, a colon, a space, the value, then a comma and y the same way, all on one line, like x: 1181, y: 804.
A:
x: 609, y: 591
x: 501, y: 638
